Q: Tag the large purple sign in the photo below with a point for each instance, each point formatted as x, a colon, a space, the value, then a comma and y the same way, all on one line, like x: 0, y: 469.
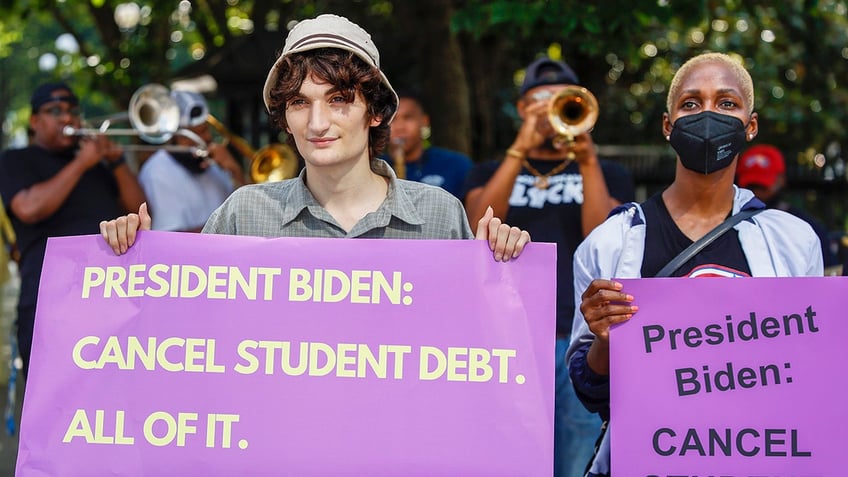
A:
x: 731, y: 378
x: 221, y: 356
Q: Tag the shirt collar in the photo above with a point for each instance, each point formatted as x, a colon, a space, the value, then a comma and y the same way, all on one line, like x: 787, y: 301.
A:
x: 397, y: 202
x: 297, y: 199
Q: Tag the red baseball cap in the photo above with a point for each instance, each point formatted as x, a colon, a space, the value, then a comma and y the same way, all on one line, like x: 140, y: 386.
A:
x: 760, y: 165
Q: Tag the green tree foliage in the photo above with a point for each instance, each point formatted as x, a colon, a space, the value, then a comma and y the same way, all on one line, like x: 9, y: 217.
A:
x: 627, y: 52
x: 624, y: 50
x: 466, y: 57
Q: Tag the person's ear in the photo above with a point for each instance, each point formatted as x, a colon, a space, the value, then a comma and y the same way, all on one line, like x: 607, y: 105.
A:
x: 753, y: 127
x: 521, y: 107
x: 666, y: 126
x: 425, y: 127
x: 376, y: 121
x: 779, y: 183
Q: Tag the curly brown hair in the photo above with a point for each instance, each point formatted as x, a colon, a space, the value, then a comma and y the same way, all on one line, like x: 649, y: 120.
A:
x: 346, y: 72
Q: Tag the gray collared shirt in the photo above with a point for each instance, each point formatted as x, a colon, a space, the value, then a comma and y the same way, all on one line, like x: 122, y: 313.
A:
x: 411, y: 210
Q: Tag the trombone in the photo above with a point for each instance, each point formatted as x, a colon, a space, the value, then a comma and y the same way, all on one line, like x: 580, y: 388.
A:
x: 572, y: 112
x: 271, y: 163
x: 154, y: 117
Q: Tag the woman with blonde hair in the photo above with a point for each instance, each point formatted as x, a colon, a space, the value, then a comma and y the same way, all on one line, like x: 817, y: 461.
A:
x: 710, y: 119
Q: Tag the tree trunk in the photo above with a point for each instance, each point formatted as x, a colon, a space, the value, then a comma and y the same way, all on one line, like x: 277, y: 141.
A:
x: 440, y: 70
x: 490, y: 68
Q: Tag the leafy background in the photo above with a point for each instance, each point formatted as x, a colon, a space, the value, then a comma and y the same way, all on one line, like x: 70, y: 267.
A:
x: 466, y: 57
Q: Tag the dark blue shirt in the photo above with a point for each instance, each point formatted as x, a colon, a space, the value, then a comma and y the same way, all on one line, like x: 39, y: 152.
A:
x: 439, y: 167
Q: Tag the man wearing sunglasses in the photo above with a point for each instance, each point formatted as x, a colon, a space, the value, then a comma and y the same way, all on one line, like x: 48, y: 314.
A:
x: 59, y: 185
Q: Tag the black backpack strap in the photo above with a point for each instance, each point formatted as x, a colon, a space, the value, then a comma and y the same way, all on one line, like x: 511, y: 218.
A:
x: 707, y: 239
x: 597, y: 447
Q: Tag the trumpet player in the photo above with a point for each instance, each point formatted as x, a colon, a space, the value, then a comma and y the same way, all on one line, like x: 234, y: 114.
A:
x: 182, y: 188
x: 558, y: 190
x: 59, y: 185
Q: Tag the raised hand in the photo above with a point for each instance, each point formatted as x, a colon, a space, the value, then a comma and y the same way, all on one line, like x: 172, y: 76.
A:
x: 120, y: 233
x: 506, y: 242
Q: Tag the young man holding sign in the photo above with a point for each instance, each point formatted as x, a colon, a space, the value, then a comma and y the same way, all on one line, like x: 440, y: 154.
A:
x: 710, y: 118
x: 327, y: 91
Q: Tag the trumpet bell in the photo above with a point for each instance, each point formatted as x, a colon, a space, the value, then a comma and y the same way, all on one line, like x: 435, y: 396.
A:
x: 154, y: 113
x: 272, y: 163
x: 573, y: 111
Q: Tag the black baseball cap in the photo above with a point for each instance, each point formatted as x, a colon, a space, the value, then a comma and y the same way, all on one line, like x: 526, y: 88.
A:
x: 546, y: 71
x: 44, y: 94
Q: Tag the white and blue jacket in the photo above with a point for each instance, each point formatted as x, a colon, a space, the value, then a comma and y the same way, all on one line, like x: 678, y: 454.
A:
x: 775, y: 243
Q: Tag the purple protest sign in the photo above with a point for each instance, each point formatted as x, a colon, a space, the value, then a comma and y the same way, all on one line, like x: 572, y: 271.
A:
x: 730, y: 377
x: 219, y: 356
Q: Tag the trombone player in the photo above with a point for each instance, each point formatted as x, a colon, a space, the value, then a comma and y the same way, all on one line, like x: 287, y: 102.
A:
x: 552, y: 184
x: 183, y: 189
x: 59, y: 185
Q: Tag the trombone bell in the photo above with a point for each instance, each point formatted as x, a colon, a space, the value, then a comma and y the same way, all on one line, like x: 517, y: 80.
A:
x: 154, y: 113
x: 573, y: 111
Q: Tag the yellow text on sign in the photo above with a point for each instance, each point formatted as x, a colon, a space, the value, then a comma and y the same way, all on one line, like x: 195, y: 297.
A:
x: 466, y: 364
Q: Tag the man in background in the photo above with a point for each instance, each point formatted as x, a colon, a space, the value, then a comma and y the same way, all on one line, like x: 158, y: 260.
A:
x: 183, y: 189
x: 57, y: 186
x: 411, y: 155
x: 762, y: 170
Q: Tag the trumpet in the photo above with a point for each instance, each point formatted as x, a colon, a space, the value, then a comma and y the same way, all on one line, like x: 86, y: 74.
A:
x: 271, y: 163
x: 571, y: 112
x: 398, y: 157
x: 154, y: 117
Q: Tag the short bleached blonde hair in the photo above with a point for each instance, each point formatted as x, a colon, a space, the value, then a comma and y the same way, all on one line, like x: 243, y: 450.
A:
x: 735, y: 66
